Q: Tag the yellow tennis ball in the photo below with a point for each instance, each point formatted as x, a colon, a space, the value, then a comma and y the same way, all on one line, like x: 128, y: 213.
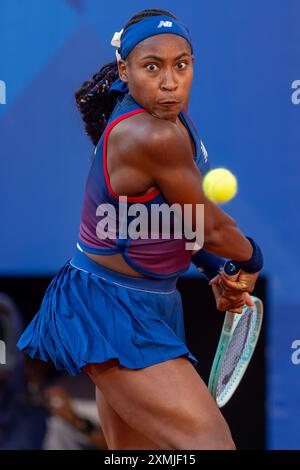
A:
x: 220, y: 185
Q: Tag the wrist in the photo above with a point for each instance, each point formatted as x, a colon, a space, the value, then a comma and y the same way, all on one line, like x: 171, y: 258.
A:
x: 252, y: 265
x: 207, y: 263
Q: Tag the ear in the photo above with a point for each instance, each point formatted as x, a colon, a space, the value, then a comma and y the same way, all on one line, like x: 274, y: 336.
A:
x: 122, y: 70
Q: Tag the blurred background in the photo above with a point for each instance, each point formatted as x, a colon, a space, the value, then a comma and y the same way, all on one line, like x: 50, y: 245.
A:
x: 245, y: 103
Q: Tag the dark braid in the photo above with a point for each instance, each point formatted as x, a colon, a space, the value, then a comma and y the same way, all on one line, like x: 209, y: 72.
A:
x: 93, y: 100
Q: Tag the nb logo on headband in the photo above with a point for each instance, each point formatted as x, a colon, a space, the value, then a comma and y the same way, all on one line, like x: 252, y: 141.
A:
x: 166, y: 24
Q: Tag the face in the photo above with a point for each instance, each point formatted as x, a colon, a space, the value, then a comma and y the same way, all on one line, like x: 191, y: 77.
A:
x: 159, y: 74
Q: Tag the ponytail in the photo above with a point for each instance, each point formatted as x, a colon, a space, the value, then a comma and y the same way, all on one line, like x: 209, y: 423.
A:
x: 94, y: 102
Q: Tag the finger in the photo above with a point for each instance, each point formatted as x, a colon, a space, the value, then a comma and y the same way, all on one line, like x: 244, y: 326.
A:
x: 233, y: 296
x: 248, y: 300
x: 218, y: 296
x: 243, y: 279
x: 223, y: 302
x: 237, y: 310
x: 217, y: 290
x: 214, y: 281
x: 231, y: 308
x: 236, y: 303
x: 235, y: 285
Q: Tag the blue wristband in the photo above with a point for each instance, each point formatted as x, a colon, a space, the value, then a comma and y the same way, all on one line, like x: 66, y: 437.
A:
x: 254, y: 264
x: 208, y: 263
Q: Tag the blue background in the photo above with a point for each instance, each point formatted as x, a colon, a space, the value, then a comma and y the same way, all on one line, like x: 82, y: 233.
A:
x: 247, y: 57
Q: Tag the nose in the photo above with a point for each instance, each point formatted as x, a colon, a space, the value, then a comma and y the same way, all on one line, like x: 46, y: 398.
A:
x: 169, y: 82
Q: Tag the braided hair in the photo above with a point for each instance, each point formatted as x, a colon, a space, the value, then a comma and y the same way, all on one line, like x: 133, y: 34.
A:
x: 92, y: 98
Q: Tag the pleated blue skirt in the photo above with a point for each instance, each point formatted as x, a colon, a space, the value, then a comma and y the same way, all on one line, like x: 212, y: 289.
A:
x: 90, y: 314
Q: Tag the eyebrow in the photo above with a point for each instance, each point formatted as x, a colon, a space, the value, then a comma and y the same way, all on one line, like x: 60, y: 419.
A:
x: 161, y: 58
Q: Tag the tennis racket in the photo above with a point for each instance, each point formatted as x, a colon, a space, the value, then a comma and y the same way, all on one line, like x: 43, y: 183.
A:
x: 237, y: 342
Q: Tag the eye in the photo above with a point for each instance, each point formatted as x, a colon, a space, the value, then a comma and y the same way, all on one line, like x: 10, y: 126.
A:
x: 183, y: 65
x: 152, y: 69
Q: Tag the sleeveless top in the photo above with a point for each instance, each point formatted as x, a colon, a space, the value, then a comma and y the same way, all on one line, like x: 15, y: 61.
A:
x: 106, y: 217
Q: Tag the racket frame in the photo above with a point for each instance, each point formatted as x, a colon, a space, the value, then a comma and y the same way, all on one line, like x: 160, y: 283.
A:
x: 230, y: 323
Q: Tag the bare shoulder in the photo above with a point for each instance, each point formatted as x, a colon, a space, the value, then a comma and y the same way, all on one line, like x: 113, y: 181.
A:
x: 157, y: 139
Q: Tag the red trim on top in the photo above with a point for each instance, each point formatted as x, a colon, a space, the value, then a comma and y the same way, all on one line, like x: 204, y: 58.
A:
x: 144, y: 198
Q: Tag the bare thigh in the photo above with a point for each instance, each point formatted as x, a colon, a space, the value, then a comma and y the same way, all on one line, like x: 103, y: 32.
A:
x: 168, y: 403
x: 118, y: 434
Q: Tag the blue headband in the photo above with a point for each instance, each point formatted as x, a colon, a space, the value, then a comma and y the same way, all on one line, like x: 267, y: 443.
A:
x: 149, y: 26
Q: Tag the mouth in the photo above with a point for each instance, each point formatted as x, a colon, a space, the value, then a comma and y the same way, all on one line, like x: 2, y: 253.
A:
x: 168, y: 102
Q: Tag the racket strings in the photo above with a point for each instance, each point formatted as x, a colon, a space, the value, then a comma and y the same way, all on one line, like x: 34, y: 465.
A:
x: 237, y: 347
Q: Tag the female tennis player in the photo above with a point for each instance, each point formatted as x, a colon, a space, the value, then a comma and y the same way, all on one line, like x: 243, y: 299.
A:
x: 113, y: 310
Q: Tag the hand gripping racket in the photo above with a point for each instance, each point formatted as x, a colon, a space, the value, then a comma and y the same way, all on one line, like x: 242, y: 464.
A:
x: 237, y: 342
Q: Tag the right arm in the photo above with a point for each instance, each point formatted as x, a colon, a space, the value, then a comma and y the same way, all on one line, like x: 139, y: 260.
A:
x: 167, y: 159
